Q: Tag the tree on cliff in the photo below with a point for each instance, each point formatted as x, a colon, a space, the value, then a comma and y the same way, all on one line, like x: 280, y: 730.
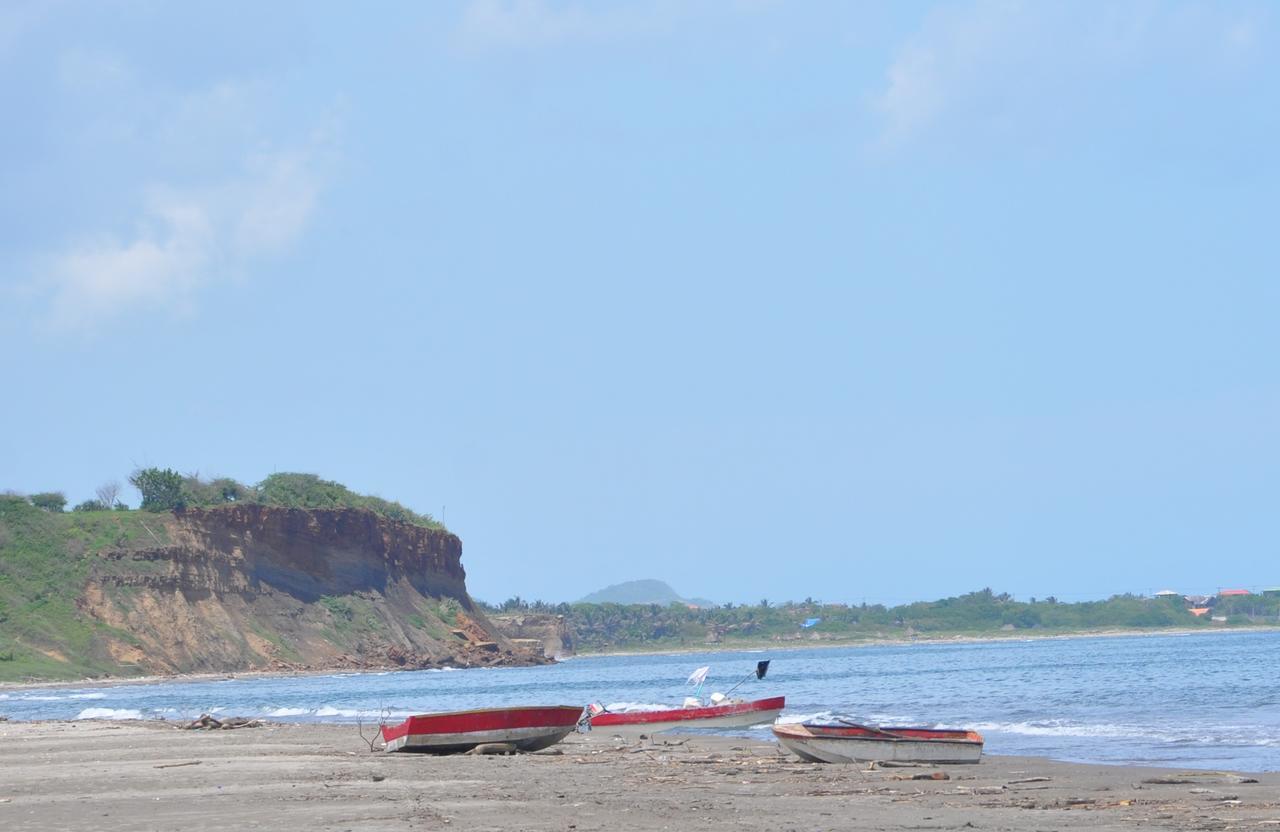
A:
x: 49, y: 500
x: 108, y: 493
x: 161, y: 489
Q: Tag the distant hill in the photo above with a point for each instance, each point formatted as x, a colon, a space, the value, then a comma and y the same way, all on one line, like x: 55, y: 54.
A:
x: 648, y: 591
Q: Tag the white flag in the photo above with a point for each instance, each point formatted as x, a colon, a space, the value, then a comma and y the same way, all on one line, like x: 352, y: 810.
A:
x: 699, y: 676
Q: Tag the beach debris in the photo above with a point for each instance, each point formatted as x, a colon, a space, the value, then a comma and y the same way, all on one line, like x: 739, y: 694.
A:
x: 377, y: 778
x: 179, y: 765
x: 205, y: 722
x: 375, y: 738
x: 488, y: 748
x: 1167, y: 781
x: 1031, y: 780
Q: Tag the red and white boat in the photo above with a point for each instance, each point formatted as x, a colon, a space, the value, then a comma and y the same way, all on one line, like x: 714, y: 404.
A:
x: 527, y: 729
x: 852, y: 743
x: 725, y: 714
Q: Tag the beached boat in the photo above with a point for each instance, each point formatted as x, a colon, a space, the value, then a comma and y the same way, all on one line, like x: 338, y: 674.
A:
x: 851, y: 743
x: 526, y: 729
x: 723, y: 714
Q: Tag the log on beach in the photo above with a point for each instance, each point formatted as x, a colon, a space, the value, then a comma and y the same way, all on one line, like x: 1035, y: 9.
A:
x: 205, y: 722
x: 140, y: 775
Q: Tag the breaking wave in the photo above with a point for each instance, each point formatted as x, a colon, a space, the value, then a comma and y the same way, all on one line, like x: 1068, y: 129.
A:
x: 1206, y: 735
x: 110, y: 713
x: 63, y: 698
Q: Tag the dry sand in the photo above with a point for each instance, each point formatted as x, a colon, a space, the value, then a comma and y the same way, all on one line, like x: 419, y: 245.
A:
x: 149, y: 775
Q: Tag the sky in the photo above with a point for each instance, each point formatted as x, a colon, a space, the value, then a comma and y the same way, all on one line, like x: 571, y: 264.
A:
x: 880, y: 302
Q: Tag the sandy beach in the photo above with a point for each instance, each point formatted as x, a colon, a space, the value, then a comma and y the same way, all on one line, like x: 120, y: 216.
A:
x: 150, y: 775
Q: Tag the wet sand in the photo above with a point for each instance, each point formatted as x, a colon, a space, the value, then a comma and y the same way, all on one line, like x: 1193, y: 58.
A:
x: 150, y: 775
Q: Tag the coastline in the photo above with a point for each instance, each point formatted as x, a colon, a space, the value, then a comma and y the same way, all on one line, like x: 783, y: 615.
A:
x: 131, y: 775
x: 1018, y: 635
x: 768, y: 645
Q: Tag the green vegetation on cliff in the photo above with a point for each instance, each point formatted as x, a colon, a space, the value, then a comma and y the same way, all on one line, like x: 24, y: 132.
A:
x: 43, y: 565
x: 65, y: 574
x: 598, y: 627
x: 164, y: 489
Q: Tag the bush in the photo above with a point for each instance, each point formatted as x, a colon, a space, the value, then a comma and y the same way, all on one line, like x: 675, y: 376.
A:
x: 309, y: 491
x: 161, y: 489
x: 49, y: 500
x: 216, y: 492
x: 90, y: 505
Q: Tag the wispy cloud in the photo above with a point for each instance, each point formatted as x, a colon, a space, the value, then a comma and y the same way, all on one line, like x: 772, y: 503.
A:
x: 187, y: 234
x: 992, y: 65
x: 184, y: 240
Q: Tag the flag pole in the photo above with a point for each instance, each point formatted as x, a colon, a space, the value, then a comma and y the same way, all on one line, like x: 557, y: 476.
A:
x: 761, y: 669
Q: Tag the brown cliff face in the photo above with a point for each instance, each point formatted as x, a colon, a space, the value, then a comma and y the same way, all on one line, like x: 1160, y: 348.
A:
x: 263, y: 587
x: 547, y: 634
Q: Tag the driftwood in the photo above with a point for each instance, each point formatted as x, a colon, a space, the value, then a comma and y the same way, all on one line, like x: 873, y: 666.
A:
x: 205, y: 722
x: 494, y: 748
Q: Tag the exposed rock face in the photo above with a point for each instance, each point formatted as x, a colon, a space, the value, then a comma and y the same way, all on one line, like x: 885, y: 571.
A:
x: 262, y: 587
x: 544, y: 633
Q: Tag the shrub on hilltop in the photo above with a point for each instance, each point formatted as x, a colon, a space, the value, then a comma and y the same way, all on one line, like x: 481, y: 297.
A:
x: 54, y: 501
x: 167, y: 490
x: 310, y: 491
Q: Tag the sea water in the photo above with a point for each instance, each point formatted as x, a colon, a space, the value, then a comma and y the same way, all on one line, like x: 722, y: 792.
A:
x: 1195, y: 701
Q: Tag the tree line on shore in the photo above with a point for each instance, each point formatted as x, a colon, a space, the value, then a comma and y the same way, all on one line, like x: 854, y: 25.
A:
x: 618, y: 626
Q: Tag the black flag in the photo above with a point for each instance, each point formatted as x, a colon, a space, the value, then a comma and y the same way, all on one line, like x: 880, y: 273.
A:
x: 762, y: 668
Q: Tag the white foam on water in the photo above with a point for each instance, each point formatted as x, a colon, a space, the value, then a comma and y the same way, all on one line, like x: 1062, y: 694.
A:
x: 1214, y: 735
x: 62, y: 698
x: 329, y: 710
x: 288, y: 712
x: 110, y: 713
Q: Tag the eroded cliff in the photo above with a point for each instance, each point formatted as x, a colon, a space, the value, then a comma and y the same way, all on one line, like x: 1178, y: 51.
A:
x: 249, y: 586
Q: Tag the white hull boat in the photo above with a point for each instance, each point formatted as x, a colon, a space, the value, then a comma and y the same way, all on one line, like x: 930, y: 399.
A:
x: 864, y: 743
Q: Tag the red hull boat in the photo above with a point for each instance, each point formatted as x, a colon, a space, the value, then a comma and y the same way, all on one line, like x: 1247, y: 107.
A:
x: 726, y: 715
x: 528, y: 729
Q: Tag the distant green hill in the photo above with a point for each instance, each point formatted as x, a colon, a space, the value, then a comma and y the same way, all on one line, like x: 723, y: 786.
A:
x: 648, y: 591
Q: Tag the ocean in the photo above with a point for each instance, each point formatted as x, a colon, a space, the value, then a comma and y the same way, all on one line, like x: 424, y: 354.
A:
x: 1188, y: 701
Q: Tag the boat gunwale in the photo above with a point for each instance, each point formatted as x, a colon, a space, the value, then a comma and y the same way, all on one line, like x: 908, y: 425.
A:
x: 614, y: 719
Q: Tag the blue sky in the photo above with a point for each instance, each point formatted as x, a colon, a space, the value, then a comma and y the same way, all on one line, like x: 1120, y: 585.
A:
x: 850, y: 301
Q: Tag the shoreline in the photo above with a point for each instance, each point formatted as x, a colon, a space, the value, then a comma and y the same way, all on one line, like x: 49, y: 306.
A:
x: 1020, y: 635
x: 762, y: 646
x: 129, y: 775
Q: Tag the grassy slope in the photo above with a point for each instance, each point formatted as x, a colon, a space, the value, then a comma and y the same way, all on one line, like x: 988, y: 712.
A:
x: 44, y: 560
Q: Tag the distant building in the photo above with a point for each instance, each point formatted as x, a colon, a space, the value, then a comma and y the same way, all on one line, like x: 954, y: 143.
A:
x: 1199, y: 610
x: 1167, y: 593
x: 1198, y: 600
x: 1271, y: 590
x: 1228, y: 593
